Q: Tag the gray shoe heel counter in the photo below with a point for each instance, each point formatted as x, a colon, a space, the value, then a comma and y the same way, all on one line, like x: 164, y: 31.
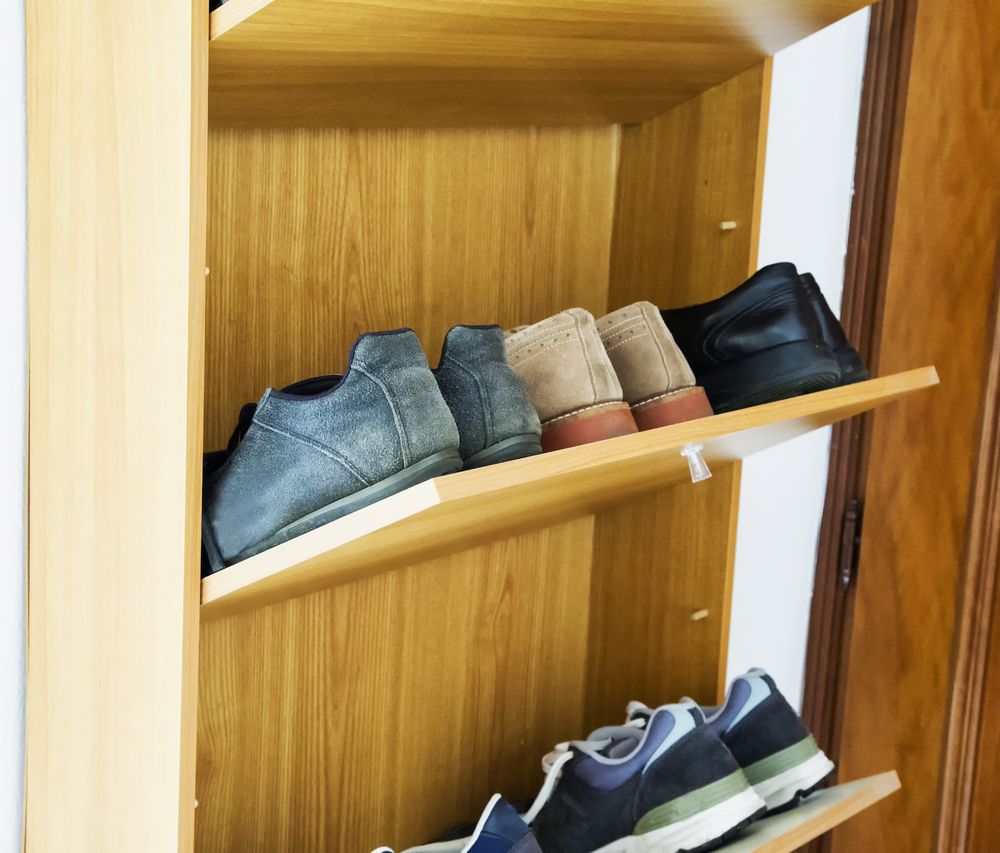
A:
x: 396, y: 363
x: 487, y: 398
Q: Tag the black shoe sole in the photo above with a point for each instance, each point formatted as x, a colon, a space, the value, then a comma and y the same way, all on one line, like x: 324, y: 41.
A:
x: 796, y: 799
x: 516, y: 447
x: 774, y: 374
x: 852, y: 369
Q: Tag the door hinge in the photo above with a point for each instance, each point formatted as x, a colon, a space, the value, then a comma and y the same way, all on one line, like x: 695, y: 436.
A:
x: 850, y: 543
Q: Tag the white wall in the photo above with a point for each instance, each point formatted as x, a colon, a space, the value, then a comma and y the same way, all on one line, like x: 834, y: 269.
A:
x: 12, y: 357
x: 808, y: 184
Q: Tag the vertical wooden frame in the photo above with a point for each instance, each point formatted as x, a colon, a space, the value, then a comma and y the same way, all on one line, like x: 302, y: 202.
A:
x: 116, y: 176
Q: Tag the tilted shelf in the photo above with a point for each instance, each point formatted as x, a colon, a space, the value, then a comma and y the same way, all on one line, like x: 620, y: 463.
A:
x: 374, y: 63
x: 475, y: 507
x: 820, y: 813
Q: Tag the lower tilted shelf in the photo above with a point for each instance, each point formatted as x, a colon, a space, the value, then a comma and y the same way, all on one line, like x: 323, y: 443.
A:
x: 820, y: 813
x: 475, y: 507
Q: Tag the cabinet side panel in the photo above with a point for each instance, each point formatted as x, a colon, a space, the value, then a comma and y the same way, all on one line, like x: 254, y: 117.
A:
x: 668, y: 558
x: 379, y: 712
x: 117, y: 144
x: 318, y: 235
x: 681, y: 176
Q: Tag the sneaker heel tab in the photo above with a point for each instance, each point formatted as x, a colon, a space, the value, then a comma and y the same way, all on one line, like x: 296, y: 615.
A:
x: 500, y: 818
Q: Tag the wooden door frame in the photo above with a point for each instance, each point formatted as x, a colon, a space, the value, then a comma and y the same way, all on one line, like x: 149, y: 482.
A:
x: 883, y: 106
x: 883, y: 112
x: 970, y: 655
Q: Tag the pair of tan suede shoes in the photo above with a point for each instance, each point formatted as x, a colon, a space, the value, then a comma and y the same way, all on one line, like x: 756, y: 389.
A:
x: 594, y: 379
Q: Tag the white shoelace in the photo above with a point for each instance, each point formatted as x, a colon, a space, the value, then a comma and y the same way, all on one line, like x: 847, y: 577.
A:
x: 552, y: 764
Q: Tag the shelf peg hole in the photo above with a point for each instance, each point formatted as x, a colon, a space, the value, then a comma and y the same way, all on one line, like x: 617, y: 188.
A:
x: 697, y: 465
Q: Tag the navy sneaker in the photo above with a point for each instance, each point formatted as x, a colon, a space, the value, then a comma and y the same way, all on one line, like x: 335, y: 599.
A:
x: 771, y: 743
x: 665, y: 784
x: 500, y: 830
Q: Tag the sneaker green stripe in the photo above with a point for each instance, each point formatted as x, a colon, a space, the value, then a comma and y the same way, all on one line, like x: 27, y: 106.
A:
x: 690, y: 804
x: 788, y: 758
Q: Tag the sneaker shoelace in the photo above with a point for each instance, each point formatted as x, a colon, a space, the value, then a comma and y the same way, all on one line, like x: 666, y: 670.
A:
x: 553, y: 762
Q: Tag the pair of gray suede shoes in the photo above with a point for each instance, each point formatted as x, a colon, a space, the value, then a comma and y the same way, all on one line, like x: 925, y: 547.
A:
x: 325, y: 447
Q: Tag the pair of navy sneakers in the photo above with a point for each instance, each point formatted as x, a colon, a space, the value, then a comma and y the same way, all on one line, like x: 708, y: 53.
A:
x: 674, y: 778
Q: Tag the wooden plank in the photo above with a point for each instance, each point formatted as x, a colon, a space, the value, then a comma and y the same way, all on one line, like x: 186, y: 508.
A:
x: 820, y: 813
x: 940, y: 289
x: 117, y: 123
x: 359, y: 230
x: 472, y: 507
x: 325, y: 63
x: 382, y: 711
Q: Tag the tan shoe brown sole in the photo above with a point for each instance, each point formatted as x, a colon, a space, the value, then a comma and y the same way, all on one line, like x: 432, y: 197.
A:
x: 606, y: 420
x: 687, y: 404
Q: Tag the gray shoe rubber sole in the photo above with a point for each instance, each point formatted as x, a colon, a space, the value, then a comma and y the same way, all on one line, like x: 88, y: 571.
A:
x: 516, y: 447
x: 436, y: 465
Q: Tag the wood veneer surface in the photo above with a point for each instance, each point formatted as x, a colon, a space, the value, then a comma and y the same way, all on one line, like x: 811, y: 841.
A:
x: 116, y: 225
x: 317, y: 236
x: 382, y: 711
x: 450, y: 62
x: 823, y: 811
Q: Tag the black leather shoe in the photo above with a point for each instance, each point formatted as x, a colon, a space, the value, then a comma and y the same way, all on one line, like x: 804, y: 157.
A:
x: 761, y: 342
x: 852, y: 369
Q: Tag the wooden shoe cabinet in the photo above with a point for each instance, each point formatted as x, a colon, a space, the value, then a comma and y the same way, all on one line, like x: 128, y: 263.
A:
x: 221, y: 204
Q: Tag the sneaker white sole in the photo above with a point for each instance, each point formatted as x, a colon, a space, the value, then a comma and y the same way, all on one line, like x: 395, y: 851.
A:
x: 780, y: 790
x: 694, y: 831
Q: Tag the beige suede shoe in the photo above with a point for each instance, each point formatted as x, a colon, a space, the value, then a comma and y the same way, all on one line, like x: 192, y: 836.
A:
x: 656, y: 379
x: 570, y: 380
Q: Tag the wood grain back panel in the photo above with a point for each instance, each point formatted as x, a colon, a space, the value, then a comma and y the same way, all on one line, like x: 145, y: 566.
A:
x: 317, y: 236
x: 324, y: 63
x: 939, y: 292
x: 660, y: 597
x: 383, y: 711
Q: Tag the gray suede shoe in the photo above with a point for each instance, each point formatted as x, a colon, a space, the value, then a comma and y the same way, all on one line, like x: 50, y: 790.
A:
x: 309, y: 458
x: 496, y: 420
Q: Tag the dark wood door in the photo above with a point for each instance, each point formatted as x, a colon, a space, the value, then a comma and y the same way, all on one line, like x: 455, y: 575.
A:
x: 917, y: 671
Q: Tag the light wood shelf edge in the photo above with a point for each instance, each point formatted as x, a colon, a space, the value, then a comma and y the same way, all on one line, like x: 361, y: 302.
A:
x: 232, y: 14
x: 820, y: 813
x: 475, y: 507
